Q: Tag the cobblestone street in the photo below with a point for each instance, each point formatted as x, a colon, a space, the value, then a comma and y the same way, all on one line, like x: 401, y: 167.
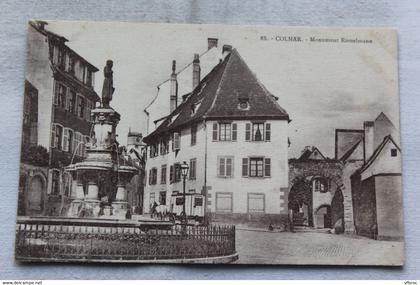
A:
x: 264, y: 247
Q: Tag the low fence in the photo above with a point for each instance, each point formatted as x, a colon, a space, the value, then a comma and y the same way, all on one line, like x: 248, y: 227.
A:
x: 39, y: 240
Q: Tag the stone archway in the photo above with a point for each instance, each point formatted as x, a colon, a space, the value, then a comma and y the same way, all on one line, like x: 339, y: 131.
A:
x: 300, y: 201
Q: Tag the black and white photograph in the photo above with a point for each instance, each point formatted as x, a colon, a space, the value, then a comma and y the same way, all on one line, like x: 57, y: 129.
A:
x: 206, y: 143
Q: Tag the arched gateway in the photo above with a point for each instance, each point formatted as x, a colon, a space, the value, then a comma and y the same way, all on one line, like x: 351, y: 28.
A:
x: 315, y: 193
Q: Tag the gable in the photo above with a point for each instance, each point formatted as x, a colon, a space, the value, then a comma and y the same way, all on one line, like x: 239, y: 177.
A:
x: 385, y: 160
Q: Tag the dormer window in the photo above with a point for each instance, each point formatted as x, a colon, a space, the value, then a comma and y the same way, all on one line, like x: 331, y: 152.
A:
x: 243, y: 103
x: 194, y: 107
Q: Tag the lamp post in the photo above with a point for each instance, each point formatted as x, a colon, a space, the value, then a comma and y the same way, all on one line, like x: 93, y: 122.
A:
x: 184, y: 173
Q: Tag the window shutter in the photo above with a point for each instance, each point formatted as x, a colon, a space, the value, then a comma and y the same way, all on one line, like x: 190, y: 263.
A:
x: 234, y: 131
x: 177, y: 141
x: 267, y: 167
x: 171, y: 174
x: 268, y: 132
x: 214, y: 131
x: 221, y: 165
x: 248, y: 132
x: 65, y: 142
x: 229, y: 167
x: 53, y: 135
x: 244, y: 166
x: 150, y: 177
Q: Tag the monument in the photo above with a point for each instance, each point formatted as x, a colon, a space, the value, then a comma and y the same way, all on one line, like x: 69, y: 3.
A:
x: 99, y: 181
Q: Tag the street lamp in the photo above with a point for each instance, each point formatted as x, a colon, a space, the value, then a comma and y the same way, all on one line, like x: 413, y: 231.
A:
x: 184, y: 173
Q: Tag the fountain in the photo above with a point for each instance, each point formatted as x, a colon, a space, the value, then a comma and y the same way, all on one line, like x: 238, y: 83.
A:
x: 99, y: 181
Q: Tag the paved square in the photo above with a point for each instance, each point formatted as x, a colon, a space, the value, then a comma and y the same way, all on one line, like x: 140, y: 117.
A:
x: 264, y: 247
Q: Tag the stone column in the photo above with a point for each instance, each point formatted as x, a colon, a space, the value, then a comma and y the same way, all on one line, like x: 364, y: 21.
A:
x: 120, y: 205
x: 92, y: 198
x: 77, y: 197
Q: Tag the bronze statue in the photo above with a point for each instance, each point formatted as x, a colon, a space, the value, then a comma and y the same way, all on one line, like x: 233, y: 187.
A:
x: 108, y: 87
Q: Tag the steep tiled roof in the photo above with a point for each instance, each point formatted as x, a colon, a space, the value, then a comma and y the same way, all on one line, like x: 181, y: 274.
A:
x: 217, y: 97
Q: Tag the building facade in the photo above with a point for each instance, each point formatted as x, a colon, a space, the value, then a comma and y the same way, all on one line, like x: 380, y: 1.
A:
x: 233, y: 134
x: 59, y: 94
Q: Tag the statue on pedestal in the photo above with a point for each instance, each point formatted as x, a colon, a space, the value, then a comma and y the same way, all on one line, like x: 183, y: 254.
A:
x: 108, y: 87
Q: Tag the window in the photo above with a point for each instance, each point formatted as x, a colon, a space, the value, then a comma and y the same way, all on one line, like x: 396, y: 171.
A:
x: 171, y: 174
x: 225, y: 166
x: 153, y: 176
x: 393, y: 152
x: 193, y: 166
x: 256, y: 167
x: 198, y: 202
x: 71, y: 101
x: 88, y: 109
x: 77, y: 144
x: 191, y: 191
x: 68, y: 140
x: 163, y: 174
x: 255, y: 132
x: 256, y: 203
x: 267, y: 167
x: 61, y: 58
x: 224, y: 202
x: 81, y: 107
x: 60, y: 96
x: 57, y: 136
x: 225, y: 132
x: 194, y: 135
x: 154, y: 150
x: 89, y: 78
x: 55, y: 182
x: 321, y: 185
x: 71, y: 65
x: 162, y: 197
x: 176, y: 141
x: 177, y: 167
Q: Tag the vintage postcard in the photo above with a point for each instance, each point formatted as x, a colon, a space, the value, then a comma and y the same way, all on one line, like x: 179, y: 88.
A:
x: 177, y: 143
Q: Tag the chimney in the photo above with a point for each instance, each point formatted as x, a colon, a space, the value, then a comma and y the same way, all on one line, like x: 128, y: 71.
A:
x: 196, y: 71
x: 369, y: 138
x: 174, y: 88
x: 226, y: 50
x: 212, y: 42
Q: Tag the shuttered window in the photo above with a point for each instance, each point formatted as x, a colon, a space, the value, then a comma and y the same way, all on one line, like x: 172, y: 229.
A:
x: 225, y: 166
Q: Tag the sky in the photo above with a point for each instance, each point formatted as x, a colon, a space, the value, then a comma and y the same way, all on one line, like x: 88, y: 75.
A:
x: 322, y: 85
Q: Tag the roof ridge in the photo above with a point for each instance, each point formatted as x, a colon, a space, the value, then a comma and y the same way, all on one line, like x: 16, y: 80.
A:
x: 228, y: 58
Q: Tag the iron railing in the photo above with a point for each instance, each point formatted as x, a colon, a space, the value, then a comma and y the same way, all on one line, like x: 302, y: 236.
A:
x: 75, y: 241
